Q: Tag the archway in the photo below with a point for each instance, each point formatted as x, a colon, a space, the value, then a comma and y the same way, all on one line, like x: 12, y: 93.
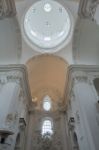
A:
x: 48, y: 75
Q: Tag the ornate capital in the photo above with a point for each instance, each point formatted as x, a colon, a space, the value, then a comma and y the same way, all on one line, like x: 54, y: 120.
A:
x: 87, y: 8
x: 7, y: 8
x: 17, y: 74
x: 81, y: 79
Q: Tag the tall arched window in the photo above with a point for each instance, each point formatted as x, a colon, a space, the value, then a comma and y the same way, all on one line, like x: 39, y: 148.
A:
x: 47, y: 127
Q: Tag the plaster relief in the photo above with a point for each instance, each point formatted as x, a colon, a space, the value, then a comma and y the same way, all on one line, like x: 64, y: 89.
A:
x: 7, y: 8
x: 88, y: 8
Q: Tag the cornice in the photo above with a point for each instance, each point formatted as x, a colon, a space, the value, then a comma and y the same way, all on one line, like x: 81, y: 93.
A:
x: 82, y: 73
x: 85, y: 68
x: 21, y: 68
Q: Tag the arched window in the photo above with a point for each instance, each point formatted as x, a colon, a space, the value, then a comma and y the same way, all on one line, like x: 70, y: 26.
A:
x: 47, y: 103
x: 47, y: 127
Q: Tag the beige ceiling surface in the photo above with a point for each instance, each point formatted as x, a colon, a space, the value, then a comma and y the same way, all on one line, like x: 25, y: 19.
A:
x: 47, y: 76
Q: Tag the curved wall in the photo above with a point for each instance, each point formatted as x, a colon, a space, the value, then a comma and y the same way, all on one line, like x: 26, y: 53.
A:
x: 10, y: 41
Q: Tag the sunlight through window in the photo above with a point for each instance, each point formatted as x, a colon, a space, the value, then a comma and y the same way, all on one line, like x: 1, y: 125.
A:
x: 47, y: 127
x: 47, y: 103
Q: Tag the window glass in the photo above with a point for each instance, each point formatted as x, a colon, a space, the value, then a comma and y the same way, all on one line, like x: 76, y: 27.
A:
x: 47, y: 127
x: 47, y: 103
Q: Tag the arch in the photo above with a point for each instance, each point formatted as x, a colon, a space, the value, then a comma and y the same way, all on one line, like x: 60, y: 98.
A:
x: 48, y: 75
x: 47, y: 126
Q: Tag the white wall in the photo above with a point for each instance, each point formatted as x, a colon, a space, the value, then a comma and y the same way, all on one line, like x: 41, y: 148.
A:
x: 86, y: 42
x: 14, y: 103
x: 8, y: 103
x: 10, y: 41
x: 84, y: 106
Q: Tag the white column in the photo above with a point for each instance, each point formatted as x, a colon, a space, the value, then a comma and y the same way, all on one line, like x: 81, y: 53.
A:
x: 89, y: 128
x: 8, y: 103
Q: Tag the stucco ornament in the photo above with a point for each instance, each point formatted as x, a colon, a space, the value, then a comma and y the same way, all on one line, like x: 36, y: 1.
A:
x: 47, y: 142
x: 11, y: 120
x: 87, y: 8
x: 7, y: 8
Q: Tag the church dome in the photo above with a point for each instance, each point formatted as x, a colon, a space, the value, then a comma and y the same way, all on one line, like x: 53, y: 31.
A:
x: 47, y: 26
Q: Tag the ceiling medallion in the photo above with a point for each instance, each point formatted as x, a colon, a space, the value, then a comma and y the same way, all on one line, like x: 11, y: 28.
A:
x: 48, y: 28
x: 47, y: 7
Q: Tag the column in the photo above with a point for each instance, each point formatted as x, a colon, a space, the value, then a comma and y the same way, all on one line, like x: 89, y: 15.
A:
x: 88, y: 133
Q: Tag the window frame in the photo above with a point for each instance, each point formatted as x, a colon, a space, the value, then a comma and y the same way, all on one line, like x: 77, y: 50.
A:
x: 47, y: 127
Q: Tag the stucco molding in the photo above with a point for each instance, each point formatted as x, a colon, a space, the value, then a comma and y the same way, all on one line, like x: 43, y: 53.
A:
x: 7, y: 8
x: 87, y: 8
x: 11, y: 121
x: 83, y: 73
x: 46, y: 141
x: 76, y: 108
x: 85, y: 68
x: 18, y: 74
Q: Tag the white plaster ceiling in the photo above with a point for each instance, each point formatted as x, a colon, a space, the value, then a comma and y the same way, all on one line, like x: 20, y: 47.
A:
x: 86, y: 51
x: 48, y: 26
x: 10, y: 42
x: 27, y: 51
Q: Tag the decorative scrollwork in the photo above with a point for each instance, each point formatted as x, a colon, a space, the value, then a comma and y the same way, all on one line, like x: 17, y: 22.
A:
x: 87, y: 8
x: 7, y: 8
x: 47, y: 142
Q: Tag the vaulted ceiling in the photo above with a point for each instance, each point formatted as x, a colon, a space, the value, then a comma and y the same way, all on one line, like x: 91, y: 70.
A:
x: 48, y: 75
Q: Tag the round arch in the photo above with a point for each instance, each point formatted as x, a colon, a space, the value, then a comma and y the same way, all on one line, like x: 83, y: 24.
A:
x: 47, y: 75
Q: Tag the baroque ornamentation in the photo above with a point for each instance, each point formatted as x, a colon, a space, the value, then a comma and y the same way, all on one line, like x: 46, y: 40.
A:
x: 3, y: 80
x: 11, y: 120
x: 77, y: 116
x: 7, y: 8
x: 61, y: 107
x: 81, y: 78
x: 47, y: 142
x: 87, y: 8
x: 84, y: 79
